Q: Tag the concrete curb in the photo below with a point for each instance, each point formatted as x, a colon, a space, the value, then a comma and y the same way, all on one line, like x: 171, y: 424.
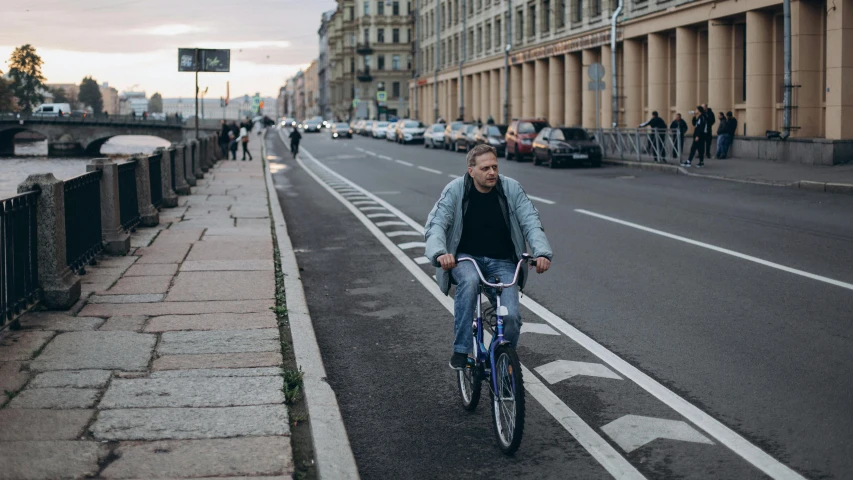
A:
x: 332, y: 450
x: 839, y: 188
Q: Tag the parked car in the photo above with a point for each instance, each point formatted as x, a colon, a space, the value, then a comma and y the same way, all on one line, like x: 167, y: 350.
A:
x: 558, y: 146
x: 450, y: 132
x: 494, y: 136
x: 367, y: 127
x: 410, y: 131
x: 434, y: 136
x: 341, y: 130
x: 520, y: 135
x: 391, y: 131
x: 380, y: 129
x: 464, y: 139
x: 312, y: 125
x: 52, y: 110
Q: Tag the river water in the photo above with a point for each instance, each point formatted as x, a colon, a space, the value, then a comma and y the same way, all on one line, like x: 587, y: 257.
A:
x: 32, y: 158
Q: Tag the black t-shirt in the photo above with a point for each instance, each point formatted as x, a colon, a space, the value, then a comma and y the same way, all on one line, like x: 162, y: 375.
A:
x: 484, y: 231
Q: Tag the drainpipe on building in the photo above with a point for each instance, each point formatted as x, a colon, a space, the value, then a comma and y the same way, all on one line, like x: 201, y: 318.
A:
x: 786, y: 99
x: 613, y: 86
x: 417, y: 73
x: 436, y: 58
x: 462, y: 59
x: 506, y: 60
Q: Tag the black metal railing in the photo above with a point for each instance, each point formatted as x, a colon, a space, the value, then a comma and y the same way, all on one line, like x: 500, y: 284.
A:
x: 154, y: 176
x: 83, y: 234
x: 128, y: 203
x: 172, y: 154
x: 19, y: 288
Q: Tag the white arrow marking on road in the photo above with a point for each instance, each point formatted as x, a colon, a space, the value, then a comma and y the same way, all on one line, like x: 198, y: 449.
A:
x: 365, y: 209
x: 388, y: 223
x: 365, y: 202
x: 421, y: 260
x: 382, y: 215
x: 407, y: 246
x: 543, y: 200
x: 542, y: 328
x: 560, y: 370
x: 405, y: 163
x: 430, y: 170
x: 385, y: 157
x: 633, y: 431
x: 400, y: 234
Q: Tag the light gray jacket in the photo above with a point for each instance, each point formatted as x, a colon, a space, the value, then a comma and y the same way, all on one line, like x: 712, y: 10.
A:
x: 443, y: 229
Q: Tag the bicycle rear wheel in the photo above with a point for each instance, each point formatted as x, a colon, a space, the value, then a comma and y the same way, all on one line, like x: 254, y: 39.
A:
x: 470, y: 385
x: 508, y: 400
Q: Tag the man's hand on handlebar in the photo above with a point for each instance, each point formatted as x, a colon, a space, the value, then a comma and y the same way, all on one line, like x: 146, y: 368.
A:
x: 447, y: 261
x: 542, y: 264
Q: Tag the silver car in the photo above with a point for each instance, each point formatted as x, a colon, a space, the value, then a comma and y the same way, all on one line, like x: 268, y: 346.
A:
x: 410, y: 131
x: 379, y: 129
x: 391, y: 132
x: 434, y: 136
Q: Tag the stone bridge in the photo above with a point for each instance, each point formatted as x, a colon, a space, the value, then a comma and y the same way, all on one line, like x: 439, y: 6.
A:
x: 85, y: 136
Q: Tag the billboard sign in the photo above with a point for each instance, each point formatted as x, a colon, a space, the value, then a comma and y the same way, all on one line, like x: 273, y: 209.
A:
x: 209, y: 60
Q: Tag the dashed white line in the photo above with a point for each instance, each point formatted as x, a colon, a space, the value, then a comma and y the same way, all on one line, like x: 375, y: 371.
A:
x: 370, y: 153
x: 382, y: 215
x: 430, y: 170
x: 385, y: 157
x: 359, y: 149
x: 367, y: 209
x: 543, y: 200
x: 403, y: 233
x: 410, y: 245
x: 401, y: 162
x: 421, y: 260
x: 365, y: 202
x: 388, y: 223
x: 453, y: 176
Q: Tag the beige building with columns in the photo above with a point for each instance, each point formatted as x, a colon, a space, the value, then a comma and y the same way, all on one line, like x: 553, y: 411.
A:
x: 670, y: 54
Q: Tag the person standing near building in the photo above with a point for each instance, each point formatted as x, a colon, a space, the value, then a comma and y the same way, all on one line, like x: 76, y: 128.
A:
x: 722, y: 137
x: 680, y: 128
x: 700, y: 132
x: 710, y: 119
x: 658, y: 128
x: 223, y: 138
x: 731, y: 130
x: 244, y: 140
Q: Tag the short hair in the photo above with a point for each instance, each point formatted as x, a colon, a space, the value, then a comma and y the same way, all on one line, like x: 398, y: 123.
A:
x: 700, y: 108
x: 655, y: 113
x: 479, y: 151
x: 728, y: 114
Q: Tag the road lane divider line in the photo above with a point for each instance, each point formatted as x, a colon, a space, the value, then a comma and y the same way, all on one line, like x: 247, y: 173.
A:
x: 382, y: 215
x: 726, y: 436
x: 430, y: 170
x: 404, y: 233
x: 363, y: 202
x: 403, y: 162
x: 540, y: 199
x: 373, y: 154
x: 367, y: 209
x: 385, y: 157
x: 411, y: 245
x: 595, y: 444
x: 388, y: 223
x: 726, y: 251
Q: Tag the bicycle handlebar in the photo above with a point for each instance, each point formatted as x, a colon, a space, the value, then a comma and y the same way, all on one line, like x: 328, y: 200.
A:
x: 525, y: 258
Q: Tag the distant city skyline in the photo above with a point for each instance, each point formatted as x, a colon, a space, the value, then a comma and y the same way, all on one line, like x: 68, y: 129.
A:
x: 133, y: 44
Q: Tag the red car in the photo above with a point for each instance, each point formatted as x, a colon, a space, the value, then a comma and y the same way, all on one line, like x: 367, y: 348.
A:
x: 520, y: 135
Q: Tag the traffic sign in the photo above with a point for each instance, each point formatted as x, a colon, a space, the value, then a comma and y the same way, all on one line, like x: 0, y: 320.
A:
x: 381, y: 96
x: 355, y: 103
x: 594, y: 86
x: 596, y: 71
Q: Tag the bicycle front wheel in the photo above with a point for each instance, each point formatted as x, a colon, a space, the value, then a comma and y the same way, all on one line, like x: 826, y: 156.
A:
x: 508, y: 400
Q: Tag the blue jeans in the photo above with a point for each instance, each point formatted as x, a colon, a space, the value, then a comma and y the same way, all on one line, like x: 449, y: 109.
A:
x: 467, y: 289
x: 723, y: 142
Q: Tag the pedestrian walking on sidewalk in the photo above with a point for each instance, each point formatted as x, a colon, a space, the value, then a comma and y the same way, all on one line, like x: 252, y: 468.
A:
x: 680, y: 128
x: 731, y: 130
x: 223, y: 138
x: 232, y: 145
x: 700, y: 132
x: 710, y: 119
x: 656, y: 141
x: 244, y: 140
x: 722, y: 136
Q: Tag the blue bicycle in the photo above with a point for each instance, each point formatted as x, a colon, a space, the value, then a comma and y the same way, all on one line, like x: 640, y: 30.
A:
x: 499, y: 364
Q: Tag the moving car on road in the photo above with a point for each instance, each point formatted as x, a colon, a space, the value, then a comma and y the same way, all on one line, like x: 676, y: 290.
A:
x: 464, y: 140
x: 434, y: 136
x: 450, y: 132
x: 492, y: 135
x: 288, y: 122
x: 312, y: 125
x: 341, y: 130
x: 557, y: 146
x: 52, y: 110
x: 520, y: 135
x: 409, y: 131
x: 379, y: 130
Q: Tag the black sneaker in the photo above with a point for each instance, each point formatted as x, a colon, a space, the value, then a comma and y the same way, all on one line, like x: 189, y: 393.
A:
x: 458, y: 361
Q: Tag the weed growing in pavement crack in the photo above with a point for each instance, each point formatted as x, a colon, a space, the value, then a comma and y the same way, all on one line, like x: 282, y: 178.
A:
x: 292, y: 386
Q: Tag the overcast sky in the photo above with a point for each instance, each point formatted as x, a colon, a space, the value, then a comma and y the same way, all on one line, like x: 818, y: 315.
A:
x: 134, y: 43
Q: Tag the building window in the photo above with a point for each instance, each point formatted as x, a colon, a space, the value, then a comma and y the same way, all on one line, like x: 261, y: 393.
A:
x: 546, y: 16
x: 408, y: 35
x: 408, y: 62
x: 380, y: 35
x: 561, y: 13
x: 351, y: 65
x: 380, y: 7
x: 479, y: 39
x: 470, y: 7
x: 532, y: 24
x: 594, y: 8
x: 366, y: 36
x: 395, y: 35
x: 498, y: 33
x: 395, y: 62
x: 366, y: 7
x: 350, y: 13
x: 488, y: 36
x: 455, y: 12
x: 519, y: 27
x: 470, y: 43
x: 395, y: 8
x: 409, y: 8
x: 740, y: 63
x: 380, y: 62
x: 577, y: 12
x: 395, y: 90
x: 479, y: 5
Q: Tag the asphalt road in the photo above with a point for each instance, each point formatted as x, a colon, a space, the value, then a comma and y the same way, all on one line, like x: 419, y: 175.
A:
x: 707, y: 324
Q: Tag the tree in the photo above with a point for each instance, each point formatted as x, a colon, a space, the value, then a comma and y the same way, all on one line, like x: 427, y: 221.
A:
x: 90, y: 95
x: 155, y: 104
x: 7, y: 97
x: 59, y: 95
x: 27, y: 79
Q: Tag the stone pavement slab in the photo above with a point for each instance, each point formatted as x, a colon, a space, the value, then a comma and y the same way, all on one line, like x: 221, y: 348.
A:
x: 232, y: 250
x: 21, y: 345
x: 193, y: 392
x: 239, y: 231
x: 228, y: 265
x: 49, y: 460
x: 139, y: 285
x: 151, y: 269
x: 97, y: 351
x: 196, y: 286
x: 58, y: 398
x: 227, y: 360
x: 128, y: 323
x: 130, y: 298
x: 117, y: 262
x: 250, y: 212
x: 189, y: 423
x: 218, y: 372
x: 58, y: 321
x: 12, y: 377
x: 73, y: 378
x: 167, y: 253
x: 170, y: 236
x: 177, y: 308
x: 22, y: 424
x: 219, y: 341
x: 212, y: 321
x: 202, y: 458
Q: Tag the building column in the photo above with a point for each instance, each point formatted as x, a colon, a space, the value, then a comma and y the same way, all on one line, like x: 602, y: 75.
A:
x: 528, y: 89
x: 606, y: 105
x: 686, y: 61
x: 573, y: 69
x: 759, y: 72
x: 806, y: 68
x: 475, y: 97
x: 720, y: 67
x: 658, y: 74
x: 588, y: 57
x: 496, y: 92
x: 485, y: 97
x: 540, y: 71
x: 556, y: 90
x: 633, y: 74
x: 515, y: 97
x: 469, y: 97
x: 839, y: 66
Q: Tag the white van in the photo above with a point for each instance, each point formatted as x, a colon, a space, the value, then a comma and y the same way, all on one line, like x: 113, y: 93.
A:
x: 52, y: 110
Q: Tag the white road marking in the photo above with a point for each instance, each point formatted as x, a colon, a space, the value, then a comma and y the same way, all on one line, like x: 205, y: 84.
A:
x: 453, y: 176
x: 543, y: 200
x: 726, y: 251
x: 367, y: 209
x: 731, y: 439
x: 597, y: 446
x: 542, y: 328
x: 359, y: 149
x: 388, y: 223
x: 385, y: 157
x: 560, y: 370
x: 401, y: 162
x: 421, y: 260
x: 370, y: 153
x: 404, y: 233
x: 430, y: 170
x: 410, y: 245
x: 364, y: 202
x: 382, y: 215
x: 633, y: 431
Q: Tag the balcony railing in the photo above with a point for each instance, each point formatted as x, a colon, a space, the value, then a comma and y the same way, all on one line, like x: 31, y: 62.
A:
x: 364, y: 75
x: 363, y: 49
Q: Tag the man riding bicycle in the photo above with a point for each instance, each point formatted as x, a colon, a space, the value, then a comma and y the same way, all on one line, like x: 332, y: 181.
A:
x: 487, y: 217
x: 294, y: 136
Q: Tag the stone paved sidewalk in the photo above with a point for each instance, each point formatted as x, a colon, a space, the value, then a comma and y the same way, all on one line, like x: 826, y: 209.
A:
x: 172, y: 367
